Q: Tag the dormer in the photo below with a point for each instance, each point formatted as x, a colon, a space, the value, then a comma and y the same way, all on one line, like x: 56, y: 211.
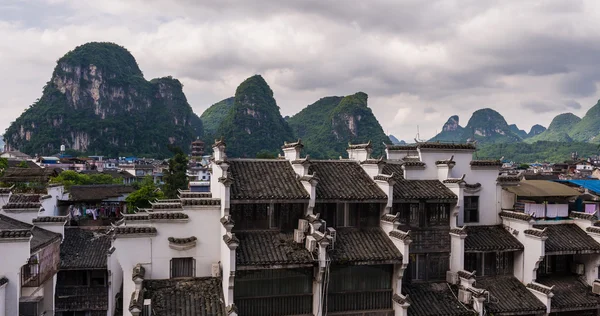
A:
x: 359, y: 152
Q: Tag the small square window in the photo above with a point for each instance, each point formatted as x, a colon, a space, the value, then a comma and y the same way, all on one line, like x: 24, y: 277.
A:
x: 183, y: 267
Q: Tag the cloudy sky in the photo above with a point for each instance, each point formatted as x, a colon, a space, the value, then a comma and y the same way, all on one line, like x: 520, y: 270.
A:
x: 419, y: 61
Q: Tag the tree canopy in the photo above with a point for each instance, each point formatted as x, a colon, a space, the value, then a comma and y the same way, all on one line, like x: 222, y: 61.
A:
x: 69, y: 178
x: 176, y: 176
x: 148, y: 191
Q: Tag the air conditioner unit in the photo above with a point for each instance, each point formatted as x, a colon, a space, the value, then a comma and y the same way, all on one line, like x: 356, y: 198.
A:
x: 215, y: 270
x: 452, y: 277
x: 298, y: 236
x: 464, y: 296
x: 596, y: 287
x: 147, y: 309
x: 311, y: 243
x: 331, y: 231
x: 302, y: 225
x: 331, y: 242
x: 578, y: 268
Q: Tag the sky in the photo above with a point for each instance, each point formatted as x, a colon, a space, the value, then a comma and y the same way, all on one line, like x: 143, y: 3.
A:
x: 419, y: 61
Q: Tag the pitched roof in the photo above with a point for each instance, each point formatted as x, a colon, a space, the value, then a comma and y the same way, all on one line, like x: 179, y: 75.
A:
x: 41, y: 237
x: 434, y: 299
x: 568, y: 239
x: 266, y: 247
x: 98, y: 192
x: 490, y: 238
x: 23, y: 201
x: 15, y: 163
x: 84, y: 249
x: 509, y: 296
x: 541, y: 188
x: 354, y: 245
x: 264, y: 179
x: 344, y: 180
x: 570, y: 293
x: 422, y: 190
x: 186, y: 297
x: 81, y: 298
x: 486, y: 163
x: 42, y: 175
x: 395, y: 168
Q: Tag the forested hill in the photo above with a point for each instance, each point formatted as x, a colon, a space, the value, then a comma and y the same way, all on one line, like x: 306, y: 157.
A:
x: 98, y: 102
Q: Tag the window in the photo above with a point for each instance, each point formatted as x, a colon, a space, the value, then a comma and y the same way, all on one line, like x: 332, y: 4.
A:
x: 471, y: 207
x: 556, y: 264
x: 183, y: 267
x: 329, y: 213
x: 438, y: 214
x: 428, y: 266
x: 250, y: 216
x: 97, y: 278
x: 490, y: 263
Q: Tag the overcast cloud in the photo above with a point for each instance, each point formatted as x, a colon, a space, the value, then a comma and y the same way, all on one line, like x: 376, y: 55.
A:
x: 419, y: 61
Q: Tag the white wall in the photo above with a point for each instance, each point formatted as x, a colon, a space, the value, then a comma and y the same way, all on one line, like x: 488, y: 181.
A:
x: 489, y: 199
x: 23, y: 216
x: 13, y: 255
x: 116, y: 280
x: 4, y: 199
x: 526, y: 265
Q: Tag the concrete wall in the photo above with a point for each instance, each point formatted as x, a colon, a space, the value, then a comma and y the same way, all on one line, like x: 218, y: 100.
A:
x: 13, y: 256
x: 115, y: 279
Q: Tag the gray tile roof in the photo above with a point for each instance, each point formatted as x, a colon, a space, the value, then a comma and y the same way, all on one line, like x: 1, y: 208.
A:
x: 23, y: 201
x: 267, y: 247
x: 98, y: 192
x: 490, y: 238
x: 135, y: 230
x: 344, y: 180
x: 265, y: 179
x: 84, y: 249
x: 570, y: 294
x: 186, y: 297
x: 434, y: 299
x: 508, y: 296
x: 422, y: 190
x: 568, y: 239
x: 356, y: 245
x: 81, y: 298
x: 486, y: 163
x: 41, y: 237
x: 395, y: 168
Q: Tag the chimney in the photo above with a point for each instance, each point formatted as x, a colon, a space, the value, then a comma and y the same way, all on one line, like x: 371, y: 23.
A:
x: 219, y: 150
x: 359, y: 152
x: 291, y: 151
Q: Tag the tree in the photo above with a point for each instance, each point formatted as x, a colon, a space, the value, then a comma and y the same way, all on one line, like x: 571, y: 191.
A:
x: 23, y: 164
x: 3, y: 164
x: 176, y: 176
x: 69, y: 178
x: 148, y: 191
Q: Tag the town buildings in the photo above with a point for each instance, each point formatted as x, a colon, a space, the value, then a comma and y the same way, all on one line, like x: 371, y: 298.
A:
x: 425, y: 231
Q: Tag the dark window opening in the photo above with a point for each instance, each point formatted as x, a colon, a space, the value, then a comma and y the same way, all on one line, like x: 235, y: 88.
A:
x: 250, y: 216
x: 471, y: 207
x: 353, y: 288
x: 438, y: 214
x: 421, y: 215
x: 428, y: 266
x: 490, y: 263
x: 97, y: 278
x: 555, y: 265
x: 183, y: 267
x: 329, y: 213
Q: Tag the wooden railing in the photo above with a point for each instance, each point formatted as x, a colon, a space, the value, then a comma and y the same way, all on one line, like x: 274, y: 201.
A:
x: 358, y: 301
x: 275, y: 305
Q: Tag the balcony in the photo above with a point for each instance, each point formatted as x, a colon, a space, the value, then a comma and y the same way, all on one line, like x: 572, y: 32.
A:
x: 41, y: 267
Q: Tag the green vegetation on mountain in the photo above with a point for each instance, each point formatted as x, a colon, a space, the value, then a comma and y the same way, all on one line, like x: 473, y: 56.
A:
x: 488, y: 126
x: 451, y: 131
x: 328, y: 125
x: 254, y: 123
x: 98, y: 102
x: 588, y: 128
x: 214, y: 115
x: 519, y: 132
x: 559, y: 129
x: 536, y: 130
x: 541, y: 151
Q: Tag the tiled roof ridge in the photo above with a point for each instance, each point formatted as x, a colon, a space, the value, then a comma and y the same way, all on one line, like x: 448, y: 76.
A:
x: 3, y: 280
x: 414, y: 164
x: 489, y: 162
x: 401, y: 147
x: 385, y: 177
x: 455, y: 180
x: 516, y: 215
x: 400, y: 299
x: 390, y: 218
x: 360, y: 146
x: 540, y: 287
x: 446, y: 161
x: 473, y: 186
x: 186, y: 240
x: 230, y: 239
x: 582, y: 215
x: 232, y: 309
x: 135, y: 230
x: 536, y: 232
x: 399, y: 234
x: 295, y: 144
x: 459, y: 231
x: 509, y: 178
x: 593, y: 229
x: 50, y: 219
x: 372, y: 161
x: 168, y: 216
x: 227, y: 220
x: 138, y: 271
x: 200, y: 201
x: 466, y: 274
x: 15, y: 233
